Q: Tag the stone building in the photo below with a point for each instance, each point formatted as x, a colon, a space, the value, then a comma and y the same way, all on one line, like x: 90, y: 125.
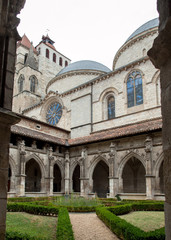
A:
x: 86, y: 128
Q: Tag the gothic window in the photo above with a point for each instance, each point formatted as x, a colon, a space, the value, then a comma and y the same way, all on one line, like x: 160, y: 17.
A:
x: 54, y: 57
x: 54, y: 113
x: 134, y: 89
x: 25, y: 57
x: 66, y: 63
x: 20, y: 83
x: 33, y: 83
x: 47, y: 53
x: 111, y: 107
x: 60, y: 61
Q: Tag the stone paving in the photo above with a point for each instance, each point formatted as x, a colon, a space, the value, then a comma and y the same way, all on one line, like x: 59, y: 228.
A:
x: 87, y: 226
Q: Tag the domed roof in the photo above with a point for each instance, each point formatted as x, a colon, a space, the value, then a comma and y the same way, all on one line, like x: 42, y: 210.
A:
x: 146, y: 26
x: 85, y: 65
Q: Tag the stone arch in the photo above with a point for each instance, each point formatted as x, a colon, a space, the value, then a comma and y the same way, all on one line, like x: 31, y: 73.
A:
x: 57, y: 178
x: 39, y: 161
x: 156, y: 80
x: 13, y: 166
x: 76, y: 178
x: 126, y: 158
x: 61, y: 167
x: 158, y: 172
x: 132, y: 173
x: 99, y: 176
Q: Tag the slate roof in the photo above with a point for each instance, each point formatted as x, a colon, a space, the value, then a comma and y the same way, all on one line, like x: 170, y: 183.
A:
x: 127, y: 130
x: 85, y: 65
x: 146, y: 26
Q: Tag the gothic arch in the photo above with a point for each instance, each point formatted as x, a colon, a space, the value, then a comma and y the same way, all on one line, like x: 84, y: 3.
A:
x: 126, y: 159
x: 61, y: 167
x: 13, y: 166
x: 158, y: 165
x: 155, y: 76
x: 73, y: 166
x: 94, y: 164
x: 39, y: 161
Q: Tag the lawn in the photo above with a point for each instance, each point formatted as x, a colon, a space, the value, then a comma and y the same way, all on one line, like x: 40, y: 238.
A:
x: 145, y: 220
x: 35, y: 226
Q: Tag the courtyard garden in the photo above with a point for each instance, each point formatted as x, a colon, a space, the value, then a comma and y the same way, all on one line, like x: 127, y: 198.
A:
x: 48, y: 218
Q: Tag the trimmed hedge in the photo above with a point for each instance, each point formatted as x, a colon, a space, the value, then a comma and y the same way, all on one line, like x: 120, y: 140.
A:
x: 20, y: 236
x: 125, y: 230
x: 64, y: 228
x: 33, y: 209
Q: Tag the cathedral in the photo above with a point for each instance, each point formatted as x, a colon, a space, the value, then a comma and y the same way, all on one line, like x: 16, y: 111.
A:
x: 87, y: 129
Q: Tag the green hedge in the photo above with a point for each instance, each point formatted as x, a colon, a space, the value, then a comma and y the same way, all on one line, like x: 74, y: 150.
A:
x: 33, y: 209
x: 125, y: 230
x: 64, y: 227
x: 20, y: 236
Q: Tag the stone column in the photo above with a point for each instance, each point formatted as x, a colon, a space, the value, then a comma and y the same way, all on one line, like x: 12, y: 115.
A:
x: 113, y: 179
x: 67, y: 167
x: 160, y: 55
x: 84, y: 179
x: 49, y: 176
x: 21, y: 170
x: 6, y: 120
x: 149, y: 165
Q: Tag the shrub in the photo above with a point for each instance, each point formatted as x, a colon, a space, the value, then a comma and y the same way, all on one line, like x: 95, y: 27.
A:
x: 125, y: 230
x: 64, y: 227
x: 20, y: 236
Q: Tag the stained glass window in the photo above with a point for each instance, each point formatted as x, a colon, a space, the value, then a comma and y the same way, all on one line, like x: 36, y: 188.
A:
x: 54, y: 113
x: 21, y: 83
x: 111, y: 107
x: 134, y: 89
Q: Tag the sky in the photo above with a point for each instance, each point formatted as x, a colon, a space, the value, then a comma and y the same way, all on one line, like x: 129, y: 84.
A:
x: 85, y: 29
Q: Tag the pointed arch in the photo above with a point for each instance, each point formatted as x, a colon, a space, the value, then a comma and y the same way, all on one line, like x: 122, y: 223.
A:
x: 39, y: 161
x: 76, y: 178
x: 61, y: 167
x: 157, y: 165
x: 126, y: 158
x: 12, y: 165
x: 95, y: 162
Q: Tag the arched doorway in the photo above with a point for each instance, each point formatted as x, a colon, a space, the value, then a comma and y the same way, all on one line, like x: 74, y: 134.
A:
x: 76, y: 179
x: 57, y: 179
x: 161, y: 178
x: 134, y: 177
x: 33, y: 177
x: 101, y: 179
x: 9, y: 178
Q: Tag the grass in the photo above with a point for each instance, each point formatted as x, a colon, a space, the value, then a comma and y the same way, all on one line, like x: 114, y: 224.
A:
x: 36, y: 226
x: 145, y: 220
x: 76, y: 201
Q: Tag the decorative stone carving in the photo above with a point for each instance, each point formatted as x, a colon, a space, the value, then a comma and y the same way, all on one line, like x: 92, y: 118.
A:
x: 148, y: 144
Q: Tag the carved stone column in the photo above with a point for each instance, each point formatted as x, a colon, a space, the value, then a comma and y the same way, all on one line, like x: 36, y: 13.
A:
x: 21, y: 169
x: 160, y: 55
x: 149, y: 175
x: 113, y: 179
x: 84, y: 180
x: 67, y: 179
x: 49, y: 176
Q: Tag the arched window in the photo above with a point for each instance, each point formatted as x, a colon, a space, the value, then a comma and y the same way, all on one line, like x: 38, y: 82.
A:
x: 54, y: 57
x: 66, y: 63
x: 111, y: 107
x: 33, y: 83
x: 134, y: 89
x: 60, y: 61
x: 25, y: 57
x: 47, y: 53
x: 20, y: 83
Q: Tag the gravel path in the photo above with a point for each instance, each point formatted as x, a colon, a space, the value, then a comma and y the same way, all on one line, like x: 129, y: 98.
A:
x: 87, y: 226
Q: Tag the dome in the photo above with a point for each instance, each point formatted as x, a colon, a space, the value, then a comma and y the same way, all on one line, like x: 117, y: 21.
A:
x: 85, y: 65
x: 146, y: 26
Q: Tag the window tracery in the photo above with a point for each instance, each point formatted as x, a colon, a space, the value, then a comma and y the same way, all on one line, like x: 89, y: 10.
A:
x: 54, y: 113
x: 21, y: 83
x: 33, y: 83
x: 134, y: 89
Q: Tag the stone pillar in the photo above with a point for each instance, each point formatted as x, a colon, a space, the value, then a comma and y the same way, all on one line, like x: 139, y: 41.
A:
x: 8, y: 37
x: 84, y: 180
x: 113, y: 179
x: 160, y: 55
x: 6, y: 120
x: 21, y: 170
x: 67, y: 167
x: 49, y: 176
x: 149, y: 165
